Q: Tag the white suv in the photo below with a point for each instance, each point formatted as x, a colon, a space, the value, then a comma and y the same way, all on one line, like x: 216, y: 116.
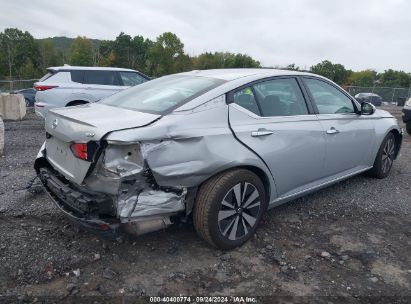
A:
x: 71, y: 85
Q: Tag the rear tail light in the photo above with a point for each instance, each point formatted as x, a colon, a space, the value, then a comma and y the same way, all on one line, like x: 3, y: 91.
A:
x: 84, y: 151
x: 79, y: 150
x: 44, y: 87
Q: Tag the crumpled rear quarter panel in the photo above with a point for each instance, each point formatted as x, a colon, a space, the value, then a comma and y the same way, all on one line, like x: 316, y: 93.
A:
x: 185, y: 149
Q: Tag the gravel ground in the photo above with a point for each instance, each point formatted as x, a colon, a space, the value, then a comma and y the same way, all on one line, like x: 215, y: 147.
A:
x: 351, y: 240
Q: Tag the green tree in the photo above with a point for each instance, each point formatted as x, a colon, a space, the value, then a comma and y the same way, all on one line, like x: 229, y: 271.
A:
x: 123, y: 50
x: 105, y: 54
x: 220, y: 60
x: 292, y: 67
x: 81, y: 52
x: 183, y: 63
x: 391, y: 78
x: 49, y: 56
x: 131, y: 52
x: 364, y: 78
x: 15, y: 48
x: 165, y: 54
x: 140, y: 54
x: 336, y: 72
x: 28, y: 70
x: 244, y: 61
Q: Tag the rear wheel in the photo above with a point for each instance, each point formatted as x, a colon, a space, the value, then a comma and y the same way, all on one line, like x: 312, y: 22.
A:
x: 408, y: 127
x: 385, y: 157
x: 27, y: 102
x: 229, y: 208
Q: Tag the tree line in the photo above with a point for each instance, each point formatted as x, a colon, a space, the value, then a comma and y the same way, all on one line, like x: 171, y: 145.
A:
x: 22, y: 56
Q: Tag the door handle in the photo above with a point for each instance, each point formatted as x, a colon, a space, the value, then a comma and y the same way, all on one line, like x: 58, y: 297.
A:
x: 332, y: 130
x: 261, y: 132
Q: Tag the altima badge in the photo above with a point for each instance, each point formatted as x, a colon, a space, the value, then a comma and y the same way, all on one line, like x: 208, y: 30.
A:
x: 89, y: 134
x: 55, y: 123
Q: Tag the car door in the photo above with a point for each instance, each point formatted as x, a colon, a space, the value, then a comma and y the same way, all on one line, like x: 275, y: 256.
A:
x: 101, y: 83
x: 272, y: 118
x: 350, y: 136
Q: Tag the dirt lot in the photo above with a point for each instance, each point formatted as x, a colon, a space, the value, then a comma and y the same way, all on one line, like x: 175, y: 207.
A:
x: 352, y: 239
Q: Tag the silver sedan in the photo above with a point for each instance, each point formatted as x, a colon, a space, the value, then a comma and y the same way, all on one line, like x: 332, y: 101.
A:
x: 216, y: 146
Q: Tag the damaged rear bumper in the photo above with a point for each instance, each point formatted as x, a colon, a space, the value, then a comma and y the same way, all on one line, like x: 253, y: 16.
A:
x: 75, y: 205
x: 104, y: 205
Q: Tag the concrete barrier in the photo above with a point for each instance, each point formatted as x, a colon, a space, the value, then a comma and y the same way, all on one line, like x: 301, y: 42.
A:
x: 12, y: 106
x: 1, y: 136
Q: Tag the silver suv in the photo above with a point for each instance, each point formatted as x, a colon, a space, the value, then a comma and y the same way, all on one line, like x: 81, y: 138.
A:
x: 72, y: 85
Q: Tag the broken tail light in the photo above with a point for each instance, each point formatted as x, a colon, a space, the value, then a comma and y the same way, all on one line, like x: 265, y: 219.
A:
x: 84, y: 151
x: 44, y: 87
x: 79, y: 150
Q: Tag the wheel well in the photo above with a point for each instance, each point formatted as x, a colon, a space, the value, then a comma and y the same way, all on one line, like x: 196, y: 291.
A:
x: 257, y: 171
x: 261, y: 174
x: 397, y: 136
x: 76, y: 102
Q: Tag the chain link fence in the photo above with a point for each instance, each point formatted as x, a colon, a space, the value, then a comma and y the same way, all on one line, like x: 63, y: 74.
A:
x: 7, y: 86
x: 391, y: 95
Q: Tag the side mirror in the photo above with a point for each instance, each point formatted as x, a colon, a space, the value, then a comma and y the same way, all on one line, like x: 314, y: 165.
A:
x: 367, y: 108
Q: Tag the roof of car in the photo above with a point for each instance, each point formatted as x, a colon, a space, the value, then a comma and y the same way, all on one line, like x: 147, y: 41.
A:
x: 70, y: 67
x: 231, y: 74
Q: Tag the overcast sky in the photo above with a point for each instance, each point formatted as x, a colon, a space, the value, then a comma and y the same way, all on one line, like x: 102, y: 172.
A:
x: 360, y: 34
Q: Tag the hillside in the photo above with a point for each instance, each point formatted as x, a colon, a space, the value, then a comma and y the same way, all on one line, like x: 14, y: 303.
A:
x: 63, y: 43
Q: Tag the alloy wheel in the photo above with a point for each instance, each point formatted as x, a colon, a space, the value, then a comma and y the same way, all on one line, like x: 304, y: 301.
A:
x: 239, y: 211
x: 388, y: 155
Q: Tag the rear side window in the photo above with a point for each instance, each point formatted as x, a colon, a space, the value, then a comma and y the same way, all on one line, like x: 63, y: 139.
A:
x: 101, y: 77
x: 329, y: 100
x: 77, y: 76
x: 131, y: 78
x: 276, y: 97
x: 280, y: 97
x: 246, y: 99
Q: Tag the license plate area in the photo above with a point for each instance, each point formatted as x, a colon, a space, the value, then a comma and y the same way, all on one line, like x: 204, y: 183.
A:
x: 62, y: 159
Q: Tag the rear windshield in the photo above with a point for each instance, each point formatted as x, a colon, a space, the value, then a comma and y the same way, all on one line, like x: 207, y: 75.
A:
x: 162, y: 95
x: 46, y: 76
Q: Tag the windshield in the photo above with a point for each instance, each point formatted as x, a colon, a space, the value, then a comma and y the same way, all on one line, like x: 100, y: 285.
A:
x: 162, y: 95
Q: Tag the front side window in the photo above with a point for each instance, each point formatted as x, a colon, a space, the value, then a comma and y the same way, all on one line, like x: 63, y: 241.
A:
x: 100, y: 77
x: 280, y: 97
x: 246, y: 99
x: 163, y: 94
x: 328, y: 99
x: 131, y: 79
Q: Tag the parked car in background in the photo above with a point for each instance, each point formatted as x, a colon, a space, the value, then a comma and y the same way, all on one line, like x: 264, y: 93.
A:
x: 29, y: 95
x: 71, y: 85
x: 375, y: 99
x: 406, y: 115
x: 220, y: 146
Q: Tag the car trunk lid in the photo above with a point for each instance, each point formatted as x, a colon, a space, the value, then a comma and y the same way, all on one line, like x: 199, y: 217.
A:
x: 83, y: 124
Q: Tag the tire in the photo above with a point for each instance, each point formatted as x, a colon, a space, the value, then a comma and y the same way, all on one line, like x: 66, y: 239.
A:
x: 209, y: 207
x: 385, y: 157
x: 408, y: 127
x: 27, y: 102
